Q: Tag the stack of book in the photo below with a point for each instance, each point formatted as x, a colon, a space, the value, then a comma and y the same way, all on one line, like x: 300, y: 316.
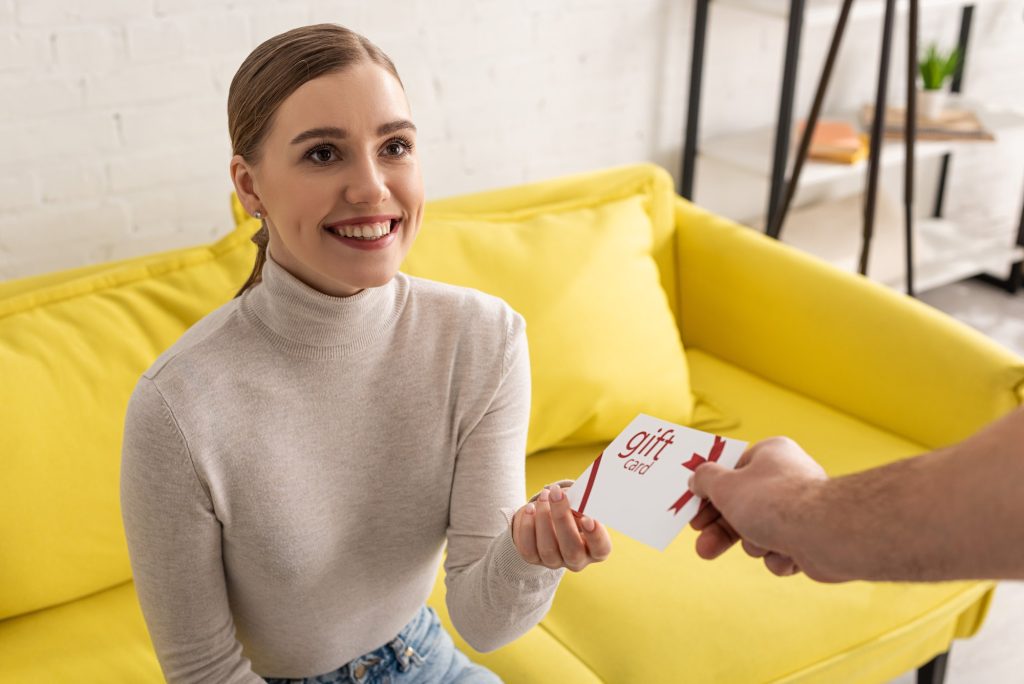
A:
x: 836, y: 141
x: 952, y: 124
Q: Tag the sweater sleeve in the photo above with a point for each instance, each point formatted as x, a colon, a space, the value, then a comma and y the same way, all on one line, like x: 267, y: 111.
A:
x: 174, y: 543
x: 493, y: 595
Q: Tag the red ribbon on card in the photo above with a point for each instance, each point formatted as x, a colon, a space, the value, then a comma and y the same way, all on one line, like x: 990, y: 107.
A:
x: 590, y: 484
x: 716, y: 452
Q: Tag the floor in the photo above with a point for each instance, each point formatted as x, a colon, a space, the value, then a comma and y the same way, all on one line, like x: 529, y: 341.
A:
x: 994, y: 655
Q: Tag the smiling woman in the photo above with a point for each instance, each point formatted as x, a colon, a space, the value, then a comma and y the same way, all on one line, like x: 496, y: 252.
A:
x: 383, y: 417
x: 310, y: 158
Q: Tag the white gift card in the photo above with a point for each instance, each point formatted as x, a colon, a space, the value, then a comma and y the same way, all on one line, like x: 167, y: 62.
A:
x: 638, y: 484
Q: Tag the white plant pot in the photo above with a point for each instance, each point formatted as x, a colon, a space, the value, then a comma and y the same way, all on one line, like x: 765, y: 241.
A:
x: 930, y: 103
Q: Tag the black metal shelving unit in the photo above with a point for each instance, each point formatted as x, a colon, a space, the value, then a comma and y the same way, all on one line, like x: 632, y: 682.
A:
x: 777, y: 201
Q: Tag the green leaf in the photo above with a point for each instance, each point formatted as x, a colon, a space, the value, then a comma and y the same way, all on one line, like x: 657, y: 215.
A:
x: 953, y: 63
x: 935, y: 67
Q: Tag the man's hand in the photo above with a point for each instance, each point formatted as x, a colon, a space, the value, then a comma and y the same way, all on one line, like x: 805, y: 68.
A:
x: 759, y: 504
x: 546, y: 532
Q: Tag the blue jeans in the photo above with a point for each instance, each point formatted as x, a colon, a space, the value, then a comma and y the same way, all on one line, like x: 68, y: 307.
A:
x: 422, y: 653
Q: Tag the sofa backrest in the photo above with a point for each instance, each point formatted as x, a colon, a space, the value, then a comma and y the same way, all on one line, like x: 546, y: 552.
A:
x: 71, y: 353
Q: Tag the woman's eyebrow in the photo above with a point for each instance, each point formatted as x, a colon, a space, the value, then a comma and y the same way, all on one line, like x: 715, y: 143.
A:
x: 393, y: 126
x: 335, y: 132
x: 319, y: 132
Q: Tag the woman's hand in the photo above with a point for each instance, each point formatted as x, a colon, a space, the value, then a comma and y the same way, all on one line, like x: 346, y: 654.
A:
x: 548, y: 533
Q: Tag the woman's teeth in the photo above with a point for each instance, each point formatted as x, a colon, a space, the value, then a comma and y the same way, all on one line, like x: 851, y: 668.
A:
x: 366, y: 231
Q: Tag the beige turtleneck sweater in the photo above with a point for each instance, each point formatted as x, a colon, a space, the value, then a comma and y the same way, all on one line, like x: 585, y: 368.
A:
x: 295, y: 463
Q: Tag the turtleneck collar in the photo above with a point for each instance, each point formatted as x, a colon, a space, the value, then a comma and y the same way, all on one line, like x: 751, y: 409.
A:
x: 307, y: 322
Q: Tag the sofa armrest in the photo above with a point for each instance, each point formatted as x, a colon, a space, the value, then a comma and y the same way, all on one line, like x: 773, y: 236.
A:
x: 840, y: 338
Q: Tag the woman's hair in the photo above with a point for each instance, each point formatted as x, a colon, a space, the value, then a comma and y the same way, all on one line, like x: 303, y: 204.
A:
x: 272, y: 72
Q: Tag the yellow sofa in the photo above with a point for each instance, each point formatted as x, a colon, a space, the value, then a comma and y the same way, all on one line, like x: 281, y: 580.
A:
x: 775, y: 342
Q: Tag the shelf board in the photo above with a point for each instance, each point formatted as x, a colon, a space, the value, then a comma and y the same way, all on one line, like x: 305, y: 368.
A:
x: 751, y: 151
x: 954, y: 262
x: 944, y: 252
x: 826, y: 12
x: 942, y: 256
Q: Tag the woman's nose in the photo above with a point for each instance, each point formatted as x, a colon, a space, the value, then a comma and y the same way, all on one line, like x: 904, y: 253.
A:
x: 366, y: 184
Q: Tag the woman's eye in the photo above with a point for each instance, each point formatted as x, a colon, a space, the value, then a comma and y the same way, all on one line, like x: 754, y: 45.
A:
x: 322, y: 155
x: 397, y: 147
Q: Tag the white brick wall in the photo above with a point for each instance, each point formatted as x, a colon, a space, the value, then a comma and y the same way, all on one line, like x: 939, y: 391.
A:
x: 113, y: 131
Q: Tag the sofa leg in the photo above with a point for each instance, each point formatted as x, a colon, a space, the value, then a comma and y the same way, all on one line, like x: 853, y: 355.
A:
x: 934, y: 671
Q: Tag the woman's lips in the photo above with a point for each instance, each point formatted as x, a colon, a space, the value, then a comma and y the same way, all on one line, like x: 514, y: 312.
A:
x: 359, y: 220
x: 364, y: 244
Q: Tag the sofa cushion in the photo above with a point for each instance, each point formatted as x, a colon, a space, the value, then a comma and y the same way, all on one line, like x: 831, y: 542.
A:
x: 70, y: 355
x: 667, y: 617
x: 99, y: 638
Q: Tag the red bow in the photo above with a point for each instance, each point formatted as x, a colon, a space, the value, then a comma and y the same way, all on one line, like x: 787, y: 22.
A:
x: 696, y: 460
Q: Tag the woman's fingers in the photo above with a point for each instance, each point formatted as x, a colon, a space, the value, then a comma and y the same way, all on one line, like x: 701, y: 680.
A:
x: 526, y: 533
x: 547, y: 542
x: 570, y: 544
x: 597, y: 539
x: 548, y: 532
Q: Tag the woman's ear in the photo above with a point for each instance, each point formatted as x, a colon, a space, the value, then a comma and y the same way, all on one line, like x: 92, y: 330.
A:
x: 245, y: 184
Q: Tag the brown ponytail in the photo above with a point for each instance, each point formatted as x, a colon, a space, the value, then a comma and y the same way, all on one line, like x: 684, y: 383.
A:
x: 262, y: 238
x: 272, y: 72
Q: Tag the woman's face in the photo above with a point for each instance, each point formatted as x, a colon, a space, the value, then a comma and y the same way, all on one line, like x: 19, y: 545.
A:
x: 338, y: 162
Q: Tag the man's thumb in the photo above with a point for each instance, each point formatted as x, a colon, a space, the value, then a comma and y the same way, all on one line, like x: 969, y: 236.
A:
x: 704, y: 479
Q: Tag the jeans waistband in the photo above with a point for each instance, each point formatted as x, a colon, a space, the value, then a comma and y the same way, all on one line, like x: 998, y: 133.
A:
x: 403, y: 651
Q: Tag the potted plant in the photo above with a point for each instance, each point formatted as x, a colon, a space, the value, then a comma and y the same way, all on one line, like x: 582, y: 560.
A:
x: 935, y: 67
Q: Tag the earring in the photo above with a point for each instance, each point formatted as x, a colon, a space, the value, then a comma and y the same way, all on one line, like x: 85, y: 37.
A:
x: 258, y: 214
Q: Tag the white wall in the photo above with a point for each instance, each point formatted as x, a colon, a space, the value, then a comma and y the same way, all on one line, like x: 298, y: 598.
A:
x: 113, y: 133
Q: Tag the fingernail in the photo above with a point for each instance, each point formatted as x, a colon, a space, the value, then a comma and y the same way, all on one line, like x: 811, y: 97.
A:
x: 588, y: 523
x: 530, y: 509
x: 556, y: 493
x: 689, y: 483
x: 544, y: 495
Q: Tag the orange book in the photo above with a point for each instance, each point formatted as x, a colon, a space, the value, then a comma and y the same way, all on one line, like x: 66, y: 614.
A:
x: 836, y: 141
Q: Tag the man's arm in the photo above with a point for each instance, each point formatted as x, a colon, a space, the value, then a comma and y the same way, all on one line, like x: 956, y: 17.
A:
x: 957, y: 513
